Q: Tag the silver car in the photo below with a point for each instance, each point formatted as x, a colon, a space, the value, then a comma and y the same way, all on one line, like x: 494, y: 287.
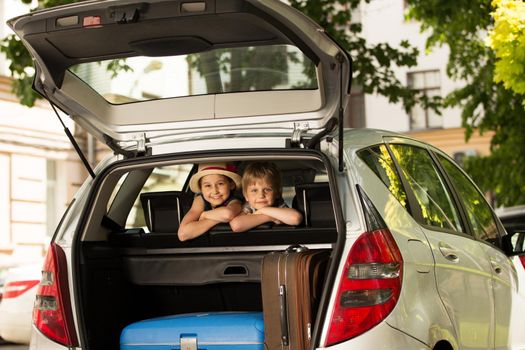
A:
x: 169, y: 85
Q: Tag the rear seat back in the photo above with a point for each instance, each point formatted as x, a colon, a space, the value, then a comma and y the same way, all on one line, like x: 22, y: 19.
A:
x: 314, y: 201
x: 163, y: 211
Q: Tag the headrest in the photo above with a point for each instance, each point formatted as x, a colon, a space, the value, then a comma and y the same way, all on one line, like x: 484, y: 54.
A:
x: 163, y: 211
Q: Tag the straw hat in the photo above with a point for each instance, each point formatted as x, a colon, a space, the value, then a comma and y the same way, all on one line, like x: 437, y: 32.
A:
x: 214, y: 169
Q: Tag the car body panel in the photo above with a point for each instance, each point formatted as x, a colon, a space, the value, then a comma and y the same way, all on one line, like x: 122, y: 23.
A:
x: 465, y: 287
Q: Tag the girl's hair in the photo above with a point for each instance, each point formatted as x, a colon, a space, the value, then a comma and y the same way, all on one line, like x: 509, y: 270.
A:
x: 263, y: 170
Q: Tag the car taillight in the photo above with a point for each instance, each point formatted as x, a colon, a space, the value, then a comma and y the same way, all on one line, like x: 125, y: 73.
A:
x: 52, y: 311
x: 17, y: 288
x: 371, y: 281
x: 522, y: 259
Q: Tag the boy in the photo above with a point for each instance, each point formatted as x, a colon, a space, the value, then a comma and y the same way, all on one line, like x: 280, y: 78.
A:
x: 261, y: 183
x: 214, y: 202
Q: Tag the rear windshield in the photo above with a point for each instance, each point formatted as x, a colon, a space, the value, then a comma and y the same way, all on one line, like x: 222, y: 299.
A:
x: 255, y: 68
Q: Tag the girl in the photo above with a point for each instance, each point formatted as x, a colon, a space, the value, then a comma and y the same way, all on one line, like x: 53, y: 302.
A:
x: 214, y: 184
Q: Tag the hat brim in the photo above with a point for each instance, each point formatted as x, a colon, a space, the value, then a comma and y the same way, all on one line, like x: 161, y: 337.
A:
x: 194, y: 181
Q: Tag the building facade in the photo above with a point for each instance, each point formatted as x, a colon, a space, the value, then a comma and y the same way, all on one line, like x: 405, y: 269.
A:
x: 428, y: 76
x: 39, y: 175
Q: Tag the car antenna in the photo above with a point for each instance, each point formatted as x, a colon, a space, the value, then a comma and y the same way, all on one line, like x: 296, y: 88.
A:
x: 71, y: 139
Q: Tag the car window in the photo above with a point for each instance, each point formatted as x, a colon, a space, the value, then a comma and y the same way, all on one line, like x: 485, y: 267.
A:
x: 478, y: 211
x: 255, y: 68
x: 163, y: 178
x: 432, y: 194
x: 380, y: 162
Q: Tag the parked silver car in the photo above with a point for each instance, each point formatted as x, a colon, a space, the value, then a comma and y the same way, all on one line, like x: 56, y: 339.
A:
x: 416, y: 259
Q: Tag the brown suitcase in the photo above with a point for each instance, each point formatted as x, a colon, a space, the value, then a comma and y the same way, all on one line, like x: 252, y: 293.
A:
x: 291, y: 287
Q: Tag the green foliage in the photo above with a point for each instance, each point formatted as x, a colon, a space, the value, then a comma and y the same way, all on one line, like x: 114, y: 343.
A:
x: 462, y: 25
x: 507, y: 39
x: 21, y: 67
x: 372, y: 63
x: 271, y: 63
x: 117, y: 66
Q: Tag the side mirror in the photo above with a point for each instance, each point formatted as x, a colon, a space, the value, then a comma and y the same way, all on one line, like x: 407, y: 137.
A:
x: 514, y: 242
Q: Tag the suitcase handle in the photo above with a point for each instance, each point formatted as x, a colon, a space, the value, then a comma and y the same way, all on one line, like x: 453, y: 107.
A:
x: 283, y: 315
x: 297, y: 248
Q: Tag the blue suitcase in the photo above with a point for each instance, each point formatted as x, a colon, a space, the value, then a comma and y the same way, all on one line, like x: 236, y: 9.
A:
x: 198, y: 331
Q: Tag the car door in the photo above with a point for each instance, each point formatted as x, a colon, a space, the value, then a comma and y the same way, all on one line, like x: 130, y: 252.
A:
x: 484, y: 228
x: 462, y: 267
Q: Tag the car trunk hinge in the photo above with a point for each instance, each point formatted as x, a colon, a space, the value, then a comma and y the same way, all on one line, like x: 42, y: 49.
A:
x: 297, y: 135
x: 72, y: 139
x: 139, y: 139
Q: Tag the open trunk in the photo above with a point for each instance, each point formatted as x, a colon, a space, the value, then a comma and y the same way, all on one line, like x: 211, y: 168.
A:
x: 129, y: 272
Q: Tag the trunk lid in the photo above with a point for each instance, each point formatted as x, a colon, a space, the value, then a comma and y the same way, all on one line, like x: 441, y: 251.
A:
x: 132, y: 72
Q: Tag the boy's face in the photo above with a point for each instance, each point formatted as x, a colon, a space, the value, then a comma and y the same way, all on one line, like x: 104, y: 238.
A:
x: 259, y: 194
x: 216, y: 189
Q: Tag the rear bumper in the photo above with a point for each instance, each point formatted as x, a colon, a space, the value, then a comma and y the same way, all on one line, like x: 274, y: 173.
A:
x: 381, y: 337
x: 41, y: 342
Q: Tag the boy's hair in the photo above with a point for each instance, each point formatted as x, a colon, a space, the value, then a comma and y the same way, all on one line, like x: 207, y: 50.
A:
x: 263, y: 170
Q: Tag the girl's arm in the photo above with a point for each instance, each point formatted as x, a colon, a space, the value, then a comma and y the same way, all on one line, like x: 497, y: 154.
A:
x: 223, y: 214
x: 190, y: 226
x: 287, y: 216
x: 244, y: 222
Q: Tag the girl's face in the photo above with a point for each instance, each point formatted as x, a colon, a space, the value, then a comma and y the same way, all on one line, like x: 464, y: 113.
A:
x: 216, y: 189
x: 259, y: 194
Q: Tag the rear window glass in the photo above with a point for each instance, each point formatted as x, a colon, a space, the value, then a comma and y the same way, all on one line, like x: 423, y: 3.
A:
x: 256, y: 68
x: 380, y: 162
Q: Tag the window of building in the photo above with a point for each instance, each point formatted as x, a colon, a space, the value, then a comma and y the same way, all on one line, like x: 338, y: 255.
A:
x: 428, y: 82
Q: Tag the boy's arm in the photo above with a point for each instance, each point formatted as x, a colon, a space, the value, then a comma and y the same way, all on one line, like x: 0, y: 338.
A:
x: 223, y: 214
x: 244, y: 222
x: 190, y: 226
x: 287, y: 216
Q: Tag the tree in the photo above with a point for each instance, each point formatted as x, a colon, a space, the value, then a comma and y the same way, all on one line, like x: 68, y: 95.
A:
x: 507, y: 39
x: 487, y: 105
